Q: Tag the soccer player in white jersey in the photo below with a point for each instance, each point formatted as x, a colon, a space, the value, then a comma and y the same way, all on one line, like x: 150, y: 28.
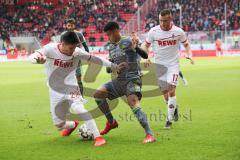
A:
x: 61, y: 61
x: 165, y: 40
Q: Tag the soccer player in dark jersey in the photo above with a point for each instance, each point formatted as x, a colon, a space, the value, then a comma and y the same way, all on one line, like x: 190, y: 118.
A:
x: 128, y: 82
x: 71, y: 26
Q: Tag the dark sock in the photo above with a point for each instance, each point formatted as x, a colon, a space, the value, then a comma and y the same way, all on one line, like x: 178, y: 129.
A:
x: 80, y: 85
x: 142, y: 118
x: 103, y: 106
x: 180, y: 74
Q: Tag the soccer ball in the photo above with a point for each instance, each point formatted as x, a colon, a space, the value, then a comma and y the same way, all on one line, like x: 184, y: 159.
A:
x: 85, y: 133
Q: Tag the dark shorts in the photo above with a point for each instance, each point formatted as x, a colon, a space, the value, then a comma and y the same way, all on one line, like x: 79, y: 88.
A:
x: 118, y: 88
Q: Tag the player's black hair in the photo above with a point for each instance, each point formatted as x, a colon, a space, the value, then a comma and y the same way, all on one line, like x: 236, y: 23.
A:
x: 69, y: 37
x: 110, y: 26
x: 70, y: 20
x: 165, y: 12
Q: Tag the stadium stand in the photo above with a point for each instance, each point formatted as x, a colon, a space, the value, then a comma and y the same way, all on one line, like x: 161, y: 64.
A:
x: 198, y: 15
x: 45, y: 18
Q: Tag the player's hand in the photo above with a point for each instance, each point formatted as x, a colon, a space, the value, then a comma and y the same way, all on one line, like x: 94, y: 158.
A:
x: 147, y: 63
x: 117, y: 68
x: 135, y: 42
x: 191, y: 60
x: 40, y: 59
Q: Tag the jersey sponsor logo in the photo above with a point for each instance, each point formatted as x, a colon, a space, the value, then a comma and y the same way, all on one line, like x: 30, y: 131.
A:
x: 64, y: 64
x: 124, y: 44
x: 116, y: 52
x: 167, y: 42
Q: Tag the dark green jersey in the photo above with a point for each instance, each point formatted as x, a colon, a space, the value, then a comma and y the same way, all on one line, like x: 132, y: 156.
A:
x: 123, y: 52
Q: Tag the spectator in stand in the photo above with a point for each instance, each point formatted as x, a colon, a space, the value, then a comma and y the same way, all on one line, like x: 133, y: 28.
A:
x: 206, y: 15
x: 42, y: 19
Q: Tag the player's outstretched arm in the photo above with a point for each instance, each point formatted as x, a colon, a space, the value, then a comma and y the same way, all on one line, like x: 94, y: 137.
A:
x: 188, y: 52
x: 37, y: 58
x: 142, y: 53
x: 101, y: 61
x: 135, y: 44
x: 146, y: 47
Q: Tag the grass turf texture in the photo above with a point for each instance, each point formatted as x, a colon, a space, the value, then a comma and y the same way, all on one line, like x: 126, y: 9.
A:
x: 27, y: 132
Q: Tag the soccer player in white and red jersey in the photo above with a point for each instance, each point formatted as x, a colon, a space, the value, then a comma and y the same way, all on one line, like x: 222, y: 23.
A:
x: 61, y: 61
x: 165, y: 40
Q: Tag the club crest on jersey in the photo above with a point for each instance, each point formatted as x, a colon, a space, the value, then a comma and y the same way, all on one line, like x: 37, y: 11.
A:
x: 64, y: 64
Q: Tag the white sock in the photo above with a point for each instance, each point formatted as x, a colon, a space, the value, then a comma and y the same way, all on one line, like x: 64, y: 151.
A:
x: 78, y: 108
x: 171, y: 108
x: 91, y: 125
x: 69, y: 124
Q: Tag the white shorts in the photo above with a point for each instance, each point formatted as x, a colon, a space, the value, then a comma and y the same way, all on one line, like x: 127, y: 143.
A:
x: 167, y: 76
x: 62, y: 104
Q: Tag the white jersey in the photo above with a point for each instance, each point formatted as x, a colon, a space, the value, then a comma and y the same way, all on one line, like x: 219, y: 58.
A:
x: 166, y: 44
x: 60, y: 68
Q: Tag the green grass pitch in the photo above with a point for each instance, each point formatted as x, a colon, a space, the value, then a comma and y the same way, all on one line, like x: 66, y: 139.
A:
x: 208, y: 129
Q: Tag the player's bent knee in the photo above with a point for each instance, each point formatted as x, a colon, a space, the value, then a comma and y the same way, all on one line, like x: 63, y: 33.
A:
x: 169, y: 90
x: 79, y: 78
x: 77, y: 108
x: 165, y: 92
x: 101, y: 93
x: 97, y: 94
x: 172, y: 94
x: 172, y: 89
x: 132, y: 100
